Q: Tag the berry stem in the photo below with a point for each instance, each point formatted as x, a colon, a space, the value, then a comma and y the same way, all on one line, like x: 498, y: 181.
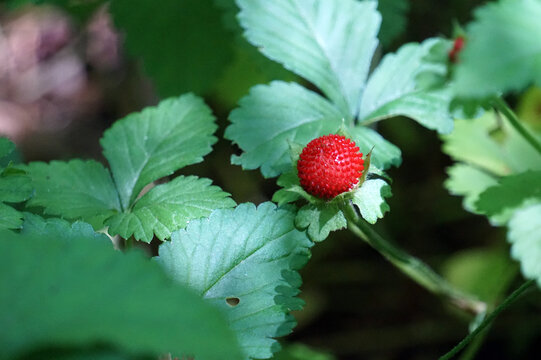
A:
x: 411, y: 266
x: 510, y: 115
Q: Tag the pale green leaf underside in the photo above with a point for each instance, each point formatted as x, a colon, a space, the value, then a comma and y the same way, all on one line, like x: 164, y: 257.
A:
x: 273, y: 115
x: 525, y: 237
x: 392, y: 90
x: 329, y: 43
x: 468, y: 181
x: 74, y: 190
x: 9, y: 217
x: 510, y: 193
x: 249, y: 254
x: 384, y: 153
x: 77, y: 291
x: 370, y: 198
x: 169, y: 207
x: 156, y: 142
x: 320, y: 220
x: 503, y: 51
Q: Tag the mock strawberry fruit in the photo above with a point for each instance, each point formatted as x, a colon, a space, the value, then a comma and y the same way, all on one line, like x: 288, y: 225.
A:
x: 330, y: 165
x: 457, y: 48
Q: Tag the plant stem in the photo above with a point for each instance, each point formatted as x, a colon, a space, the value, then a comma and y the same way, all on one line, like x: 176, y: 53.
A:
x: 412, y: 266
x: 505, y: 304
x: 510, y: 115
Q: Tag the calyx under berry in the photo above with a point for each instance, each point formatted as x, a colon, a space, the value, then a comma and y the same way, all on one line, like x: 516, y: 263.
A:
x: 329, y: 166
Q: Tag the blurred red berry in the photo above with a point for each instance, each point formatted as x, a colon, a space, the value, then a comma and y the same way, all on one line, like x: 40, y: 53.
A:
x: 329, y: 166
x: 457, y: 47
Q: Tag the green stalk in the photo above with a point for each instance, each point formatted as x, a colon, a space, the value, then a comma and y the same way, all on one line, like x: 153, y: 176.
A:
x: 510, y: 115
x: 489, y: 319
x: 417, y: 270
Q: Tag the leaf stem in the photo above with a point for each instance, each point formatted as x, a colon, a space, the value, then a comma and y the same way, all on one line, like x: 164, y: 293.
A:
x: 413, y: 267
x: 489, y: 319
x: 510, y: 115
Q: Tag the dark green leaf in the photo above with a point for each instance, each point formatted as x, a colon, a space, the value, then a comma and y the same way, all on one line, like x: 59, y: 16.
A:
x: 10, y: 218
x: 272, y: 116
x: 330, y: 43
x: 183, y: 43
x: 15, y: 188
x: 393, y: 24
x: 243, y: 261
x: 76, y: 291
x: 154, y: 143
x: 8, y: 152
x: 74, y: 190
x: 169, y: 207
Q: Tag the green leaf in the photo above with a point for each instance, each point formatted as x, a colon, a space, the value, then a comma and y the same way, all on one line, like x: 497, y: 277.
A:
x: 169, y: 207
x: 8, y: 152
x: 15, y: 188
x: 156, y: 142
x: 77, y: 292
x: 392, y: 90
x: 370, y: 198
x: 74, y: 190
x: 510, y: 193
x: 183, y: 44
x: 503, y: 52
x: 243, y: 262
x: 468, y: 181
x: 301, y: 352
x: 320, y: 219
x: 395, y: 19
x: 329, y: 43
x: 525, y: 238
x: 384, y: 154
x: 273, y: 115
x: 10, y: 218
x: 56, y: 228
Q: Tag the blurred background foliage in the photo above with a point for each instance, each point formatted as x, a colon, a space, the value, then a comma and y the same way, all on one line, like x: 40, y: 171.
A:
x: 69, y: 69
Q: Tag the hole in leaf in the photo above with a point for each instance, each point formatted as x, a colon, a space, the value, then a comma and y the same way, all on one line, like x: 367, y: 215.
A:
x: 232, y: 301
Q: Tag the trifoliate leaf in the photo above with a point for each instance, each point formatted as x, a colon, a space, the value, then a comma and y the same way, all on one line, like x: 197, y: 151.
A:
x: 370, y: 199
x: 74, y: 190
x: 273, y: 115
x: 183, y: 44
x: 468, y: 181
x: 319, y: 219
x: 243, y: 261
x: 384, y: 154
x: 76, y: 291
x: 329, y: 43
x: 10, y: 218
x: 503, y: 52
x: 169, y: 207
x: 510, y: 193
x: 15, y: 188
x: 525, y: 237
x: 392, y: 90
x: 154, y: 143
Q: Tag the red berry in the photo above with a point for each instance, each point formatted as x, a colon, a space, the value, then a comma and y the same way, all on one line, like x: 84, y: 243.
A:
x: 329, y: 166
x: 457, y: 47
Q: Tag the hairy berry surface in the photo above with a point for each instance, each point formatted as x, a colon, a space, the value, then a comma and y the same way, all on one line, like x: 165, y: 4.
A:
x: 330, y: 165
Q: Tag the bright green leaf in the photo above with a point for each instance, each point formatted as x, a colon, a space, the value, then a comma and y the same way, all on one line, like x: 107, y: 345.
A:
x: 169, y: 207
x: 503, y: 51
x: 273, y: 115
x: 468, y: 181
x: 320, y: 220
x: 78, y: 291
x: 10, y: 218
x: 330, y: 43
x: 243, y: 261
x: 384, y: 154
x: 525, y: 237
x: 511, y: 192
x: 15, y: 188
x: 183, y: 43
x: 392, y: 90
x: 74, y: 190
x: 370, y: 198
x: 156, y: 142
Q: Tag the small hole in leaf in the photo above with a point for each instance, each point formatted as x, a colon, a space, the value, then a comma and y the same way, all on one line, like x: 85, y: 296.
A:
x: 232, y: 301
